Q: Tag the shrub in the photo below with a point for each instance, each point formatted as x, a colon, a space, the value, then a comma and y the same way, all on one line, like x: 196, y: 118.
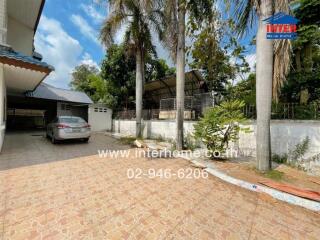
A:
x: 220, y: 125
x: 280, y: 158
x: 189, y: 142
x: 295, y: 156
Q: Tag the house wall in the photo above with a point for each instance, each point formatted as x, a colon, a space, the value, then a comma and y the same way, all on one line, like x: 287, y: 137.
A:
x: 3, y: 106
x: 20, y: 37
x: 100, y: 118
x: 285, y: 134
x: 69, y: 109
x: 3, y: 22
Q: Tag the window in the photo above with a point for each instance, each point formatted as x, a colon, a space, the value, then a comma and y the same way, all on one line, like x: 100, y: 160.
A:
x: 100, y: 109
x: 71, y: 120
x: 66, y: 107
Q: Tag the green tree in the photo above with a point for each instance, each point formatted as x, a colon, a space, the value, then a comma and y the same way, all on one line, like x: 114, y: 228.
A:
x: 102, y: 91
x: 175, y: 25
x: 157, y: 69
x: 245, y: 90
x: 118, y: 70
x: 212, y: 49
x: 303, y: 85
x: 80, y: 80
x: 139, y: 16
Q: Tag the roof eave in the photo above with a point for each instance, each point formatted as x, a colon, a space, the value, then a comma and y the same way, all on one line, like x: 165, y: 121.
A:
x: 27, y: 65
x: 39, y: 16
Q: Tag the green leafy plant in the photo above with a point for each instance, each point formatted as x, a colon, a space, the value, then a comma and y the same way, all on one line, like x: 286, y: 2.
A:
x: 297, y: 153
x: 220, y: 125
x: 189, y: 142
x: 280, y: 158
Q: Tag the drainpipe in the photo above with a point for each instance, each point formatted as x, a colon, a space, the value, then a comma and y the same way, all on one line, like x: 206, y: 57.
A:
x: 3, y: 22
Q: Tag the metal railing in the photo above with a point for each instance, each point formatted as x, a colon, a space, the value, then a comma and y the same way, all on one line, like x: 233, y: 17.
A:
x: 147, y: 114
x: 294, y: 111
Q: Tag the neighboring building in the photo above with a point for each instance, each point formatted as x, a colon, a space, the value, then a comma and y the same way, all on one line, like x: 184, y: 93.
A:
x: 21, y: 69
x: 160, y: 94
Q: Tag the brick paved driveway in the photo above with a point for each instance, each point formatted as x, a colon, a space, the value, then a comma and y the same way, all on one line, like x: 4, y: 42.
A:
x: 65, y: 191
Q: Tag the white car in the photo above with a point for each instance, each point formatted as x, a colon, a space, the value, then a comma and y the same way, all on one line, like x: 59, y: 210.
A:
x: 68, y: 127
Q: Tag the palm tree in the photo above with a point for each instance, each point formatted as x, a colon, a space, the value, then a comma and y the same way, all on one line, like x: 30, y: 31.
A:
x: 175, y: 25
x: 273, y: 63
x: 138, y: 17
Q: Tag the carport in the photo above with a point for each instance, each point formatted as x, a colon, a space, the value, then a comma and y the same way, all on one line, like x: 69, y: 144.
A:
x: 36, y: 109
x: 29, y: 113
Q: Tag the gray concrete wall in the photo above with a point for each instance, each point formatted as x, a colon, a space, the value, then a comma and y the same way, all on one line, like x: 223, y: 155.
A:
x: 285, y: 134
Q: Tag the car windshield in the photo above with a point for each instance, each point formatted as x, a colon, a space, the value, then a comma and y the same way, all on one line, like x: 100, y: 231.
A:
x: 71, y: 120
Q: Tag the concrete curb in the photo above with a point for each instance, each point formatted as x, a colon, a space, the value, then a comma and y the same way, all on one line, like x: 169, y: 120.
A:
x: 285, y: 197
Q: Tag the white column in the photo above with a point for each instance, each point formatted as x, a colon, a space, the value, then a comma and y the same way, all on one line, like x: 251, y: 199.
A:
x: 2, y: 106
x: 3, y: 41
x: 3, y: 22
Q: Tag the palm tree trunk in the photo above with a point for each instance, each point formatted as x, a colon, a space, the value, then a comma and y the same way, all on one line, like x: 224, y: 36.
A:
x: 180, y: 74
x: 139, y: 82
x: 264, y: 89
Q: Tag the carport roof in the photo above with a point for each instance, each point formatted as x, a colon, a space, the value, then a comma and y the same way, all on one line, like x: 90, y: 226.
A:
x: 46, y: 91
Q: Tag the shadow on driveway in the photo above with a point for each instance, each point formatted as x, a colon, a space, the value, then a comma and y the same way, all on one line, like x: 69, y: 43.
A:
x: 25, y: 148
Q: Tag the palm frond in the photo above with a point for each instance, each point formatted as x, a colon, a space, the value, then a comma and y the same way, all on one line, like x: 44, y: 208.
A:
x: 282, y: 54
x: 170, y: 39
x: 281, y: 65
x: 110, y: 27
x: 246, y: 14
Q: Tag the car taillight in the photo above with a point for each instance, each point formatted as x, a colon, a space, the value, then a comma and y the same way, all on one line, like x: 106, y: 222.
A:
x: 87, y: 126
x: 61, y: 126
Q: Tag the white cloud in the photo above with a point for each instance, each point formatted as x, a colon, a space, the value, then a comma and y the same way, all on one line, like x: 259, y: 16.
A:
x: 87, y: 59
x: 59, y: 49
x: 91, y: 11
x: 251, y: 59
x: 85, y: 28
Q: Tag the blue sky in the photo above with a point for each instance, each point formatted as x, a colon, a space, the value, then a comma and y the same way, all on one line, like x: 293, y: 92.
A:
x: 67, y: 36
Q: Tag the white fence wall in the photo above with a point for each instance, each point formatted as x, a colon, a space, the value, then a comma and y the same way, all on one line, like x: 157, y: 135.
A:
x: 285, y: 134
x: 165, y: 129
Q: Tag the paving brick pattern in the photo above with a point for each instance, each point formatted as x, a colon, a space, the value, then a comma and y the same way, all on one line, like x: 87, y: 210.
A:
x: 88, y: 197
